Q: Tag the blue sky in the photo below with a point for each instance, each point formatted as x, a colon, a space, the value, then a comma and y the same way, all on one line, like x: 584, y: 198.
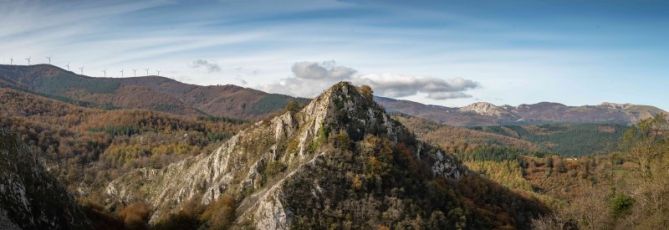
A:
x: 438, y: 52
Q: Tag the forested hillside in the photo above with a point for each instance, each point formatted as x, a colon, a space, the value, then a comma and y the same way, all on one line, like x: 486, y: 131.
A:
x: 147, y: 92
x: 519, y: 173
x: 84, y: 148
x: 564, y: 139
x: 460, y: 139
x: 623, y: 188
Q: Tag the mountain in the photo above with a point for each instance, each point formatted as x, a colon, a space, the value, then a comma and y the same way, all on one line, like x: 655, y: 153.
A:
x: 339, y: 162
x: 30, y: 198
x: 167, y: 95
x: 485, y: 114
x: 148, y: 92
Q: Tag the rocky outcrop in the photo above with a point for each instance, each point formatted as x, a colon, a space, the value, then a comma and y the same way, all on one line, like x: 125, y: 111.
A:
x: 486, y: 109
x: 340, y: 161
x: 29, y: 197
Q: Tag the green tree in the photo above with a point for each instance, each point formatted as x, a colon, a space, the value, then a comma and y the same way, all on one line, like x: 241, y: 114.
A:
x: 292, y: 106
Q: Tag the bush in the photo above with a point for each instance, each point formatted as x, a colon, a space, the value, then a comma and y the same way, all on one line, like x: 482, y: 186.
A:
x: 221, y: 213
x: 621, y: 204
x: 366, y: 91
x: 292, y: 106
x: 135, y: 215
x: 341, y: 140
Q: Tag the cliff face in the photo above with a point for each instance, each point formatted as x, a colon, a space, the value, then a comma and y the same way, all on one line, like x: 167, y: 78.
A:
x: 340, y: 161
x: 29, y: 197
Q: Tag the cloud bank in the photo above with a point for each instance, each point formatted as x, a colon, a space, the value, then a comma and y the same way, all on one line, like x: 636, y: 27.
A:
x: 310, y: 78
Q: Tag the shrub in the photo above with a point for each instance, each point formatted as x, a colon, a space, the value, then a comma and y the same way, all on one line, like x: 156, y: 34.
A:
x: 135, y: 215
x: 620, y: 204
x: 341, y: 140
x: 292, y: 106
x: 221, y: 213
x: 366, y: 91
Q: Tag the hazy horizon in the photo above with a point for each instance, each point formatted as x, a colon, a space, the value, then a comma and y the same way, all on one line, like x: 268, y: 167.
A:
x: 404, y: 99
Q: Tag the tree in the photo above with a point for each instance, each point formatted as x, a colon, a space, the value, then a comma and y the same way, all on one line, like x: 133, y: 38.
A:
x: 292, y: 106
x: 366, y: 91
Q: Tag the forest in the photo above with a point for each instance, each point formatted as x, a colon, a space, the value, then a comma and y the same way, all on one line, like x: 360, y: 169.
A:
x: 624, y: 181
x: 626, y: 188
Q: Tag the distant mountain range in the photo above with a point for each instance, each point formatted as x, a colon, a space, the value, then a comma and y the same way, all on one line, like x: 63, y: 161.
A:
x: 486, y: 114
x: 167, y: 95
x: 148, y: 92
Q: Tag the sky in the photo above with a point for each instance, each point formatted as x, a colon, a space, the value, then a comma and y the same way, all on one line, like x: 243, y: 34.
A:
x: 450, y: 53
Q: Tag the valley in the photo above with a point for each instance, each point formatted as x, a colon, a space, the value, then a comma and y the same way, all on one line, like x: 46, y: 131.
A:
x: 336, y: 161
x: 334, y: 115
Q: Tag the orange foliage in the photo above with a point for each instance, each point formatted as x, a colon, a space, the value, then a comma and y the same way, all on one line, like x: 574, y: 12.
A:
x: 135, y: 215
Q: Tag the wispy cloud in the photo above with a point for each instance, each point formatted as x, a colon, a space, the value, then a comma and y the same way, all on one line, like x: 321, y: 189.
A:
x: 310, y: 78
x: 433, y: 41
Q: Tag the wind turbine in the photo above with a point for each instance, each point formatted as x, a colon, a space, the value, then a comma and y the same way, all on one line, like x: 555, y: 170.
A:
x: 157, y: 72
x: 68, y: 66
x: 134, y: 72
x: 28, y: 59
x: 121, y: 73
x: 49, y: 58
x: 147, y: 71
x: 81, y: 70
x: 104, y: 72
x: 11, y: 61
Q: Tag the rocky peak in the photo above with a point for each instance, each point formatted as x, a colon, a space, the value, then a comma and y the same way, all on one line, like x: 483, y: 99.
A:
x: 337, y: 131
x: 615, y: 106
x: 486, y: 109
x: 343, y: 106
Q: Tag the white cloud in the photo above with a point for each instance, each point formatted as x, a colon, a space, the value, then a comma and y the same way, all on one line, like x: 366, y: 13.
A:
x: 208, y: 66
x: 399, y: 85
x: 310, y: 78
x: 324, y: 70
